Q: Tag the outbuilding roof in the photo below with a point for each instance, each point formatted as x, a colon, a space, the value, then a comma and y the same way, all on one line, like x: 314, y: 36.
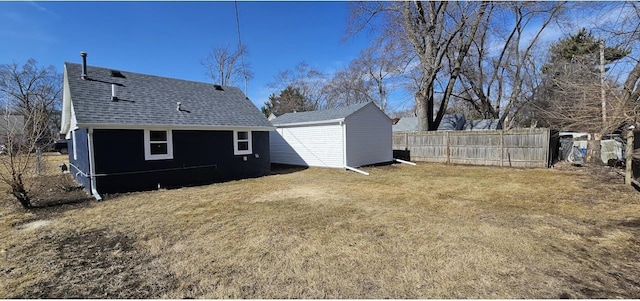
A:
x: 320, y: 115
x: 148, y: 100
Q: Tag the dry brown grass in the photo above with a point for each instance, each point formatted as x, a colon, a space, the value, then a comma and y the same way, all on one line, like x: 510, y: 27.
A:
x: 430, y: 231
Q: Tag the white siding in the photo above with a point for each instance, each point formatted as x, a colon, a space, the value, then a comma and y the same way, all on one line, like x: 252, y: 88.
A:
x: 313, y: 145
x: 369, y: 137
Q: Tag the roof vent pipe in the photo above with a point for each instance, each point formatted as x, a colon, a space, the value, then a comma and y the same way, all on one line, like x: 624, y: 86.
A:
x: 113, y: 93
x: 84, y: 65
x: 180, y: 109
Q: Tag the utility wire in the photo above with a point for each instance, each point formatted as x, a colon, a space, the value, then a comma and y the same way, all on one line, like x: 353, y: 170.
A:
x: 244, y: 68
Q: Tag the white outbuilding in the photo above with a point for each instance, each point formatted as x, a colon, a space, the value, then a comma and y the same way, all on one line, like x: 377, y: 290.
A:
x: 345, y: 137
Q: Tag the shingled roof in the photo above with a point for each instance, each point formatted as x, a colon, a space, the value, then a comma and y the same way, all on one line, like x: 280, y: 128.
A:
x: 483, y: 124
x: 450, y: 122
x: 318, y: 116
x: 151, y: 101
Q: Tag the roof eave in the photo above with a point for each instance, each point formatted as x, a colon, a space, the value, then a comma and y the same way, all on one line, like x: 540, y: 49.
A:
x: 174, y: 127
x: 309, y: 122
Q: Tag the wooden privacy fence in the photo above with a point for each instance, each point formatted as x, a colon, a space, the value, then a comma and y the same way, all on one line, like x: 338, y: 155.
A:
x: 513, y: 148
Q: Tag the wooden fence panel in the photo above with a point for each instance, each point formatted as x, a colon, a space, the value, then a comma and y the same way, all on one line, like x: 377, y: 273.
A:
x: 399, y: 141
x: 475, y: 148
x: 427, y: 147
x: 515, y: 148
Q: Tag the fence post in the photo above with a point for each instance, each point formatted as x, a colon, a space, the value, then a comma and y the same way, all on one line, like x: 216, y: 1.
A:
x: 406, y: 141
x: 501, y: 148
x: 447, y: 150
x: 547, y: 147
x: 629, y: 158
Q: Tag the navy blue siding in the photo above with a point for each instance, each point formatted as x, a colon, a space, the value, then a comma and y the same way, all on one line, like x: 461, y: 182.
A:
x: 79, y: 168
x: 199, y: 157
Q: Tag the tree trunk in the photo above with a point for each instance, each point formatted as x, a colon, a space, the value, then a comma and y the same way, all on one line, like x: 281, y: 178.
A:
x: 17, y: 189
x: 421, y: 112
x: 431, y: 125
x: 593, y: 150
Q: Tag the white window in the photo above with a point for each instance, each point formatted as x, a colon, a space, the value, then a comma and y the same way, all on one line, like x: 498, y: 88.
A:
x: 242, y: 143
x: 158, y: 145
x: 73, y: 145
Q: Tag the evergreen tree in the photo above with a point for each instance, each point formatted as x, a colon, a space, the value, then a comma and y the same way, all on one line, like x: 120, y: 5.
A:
x: 569, y: 97
x: 289, y: 100
x: 584, y: 48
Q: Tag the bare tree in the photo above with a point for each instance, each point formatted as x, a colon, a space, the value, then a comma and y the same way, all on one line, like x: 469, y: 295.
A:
x: 30, y: 94
x: 383, y: 63
x: 494, y: 80
x: 579, y: 93
x: 574, y: 85
x: 307, y: 80
x: 227, y: 67
x: 19, y: 164
x: 571, y: 102
x: 627, y: 32
x: 370, y: 77
x: 347, y: 86
x: 30, y: 89
x: 405, y: 112
x: 435, y: 30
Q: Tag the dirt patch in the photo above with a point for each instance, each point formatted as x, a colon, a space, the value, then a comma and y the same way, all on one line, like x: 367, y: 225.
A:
x: 101, y: 264
x: 291, y: 193
x: 53, y: 190
x: 600, y: 173
x: 33, y: 225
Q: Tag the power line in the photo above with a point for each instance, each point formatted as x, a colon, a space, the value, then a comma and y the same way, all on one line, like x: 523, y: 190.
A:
x: 244, y: 67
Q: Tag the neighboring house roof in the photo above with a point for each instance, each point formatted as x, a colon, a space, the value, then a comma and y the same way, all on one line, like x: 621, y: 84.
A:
x: 483, y: 124
x: 334, y: 114
x: 454, y: 122
x: 406, y: 124
x: 11, y: 124
x: 151, y: 101
x: 14, y: 123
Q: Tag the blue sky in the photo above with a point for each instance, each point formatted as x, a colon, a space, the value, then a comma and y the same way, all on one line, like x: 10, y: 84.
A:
x: 171, y: 38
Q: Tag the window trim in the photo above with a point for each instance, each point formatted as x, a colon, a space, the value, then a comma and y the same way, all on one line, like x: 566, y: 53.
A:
x: 237, y: 151
x: 147, y: 145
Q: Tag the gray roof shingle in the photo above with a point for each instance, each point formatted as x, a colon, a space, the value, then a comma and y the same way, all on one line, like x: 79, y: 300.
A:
x: 316, y: 116
x: 450, y: 122
x: 152, y: 100
x: 406, y: 124
x: 483, y: 124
